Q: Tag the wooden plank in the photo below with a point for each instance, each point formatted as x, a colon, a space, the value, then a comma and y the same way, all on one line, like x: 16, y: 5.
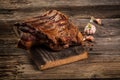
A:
x: 81, y: 12
x: 45, y: 58
x: 93, y: 58
x: 83, y: 9
x: 49, y: 3
x: 97, y: 66
x: 94, y: 64
x: 95, y: 70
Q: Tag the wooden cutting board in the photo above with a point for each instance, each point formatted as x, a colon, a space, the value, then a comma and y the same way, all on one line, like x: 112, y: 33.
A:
x: 45, y: 58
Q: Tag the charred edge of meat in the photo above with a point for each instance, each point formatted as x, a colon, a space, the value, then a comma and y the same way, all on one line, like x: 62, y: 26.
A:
x: 24, y: 27
x: 16, y: 27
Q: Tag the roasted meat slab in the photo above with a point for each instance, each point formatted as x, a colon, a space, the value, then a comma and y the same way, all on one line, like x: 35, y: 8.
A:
x: 52, y: 29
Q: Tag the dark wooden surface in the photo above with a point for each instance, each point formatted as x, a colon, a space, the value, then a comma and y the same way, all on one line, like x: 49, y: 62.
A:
x: 104, y: 58
x: 45, y: 58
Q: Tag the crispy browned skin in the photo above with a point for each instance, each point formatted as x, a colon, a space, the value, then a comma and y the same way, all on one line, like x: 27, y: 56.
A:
x: 52, y: 29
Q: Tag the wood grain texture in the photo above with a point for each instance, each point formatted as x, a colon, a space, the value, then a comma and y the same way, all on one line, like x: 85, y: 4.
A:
x: 45, y: 59
x: 79, y: 8
x: 104, y: 56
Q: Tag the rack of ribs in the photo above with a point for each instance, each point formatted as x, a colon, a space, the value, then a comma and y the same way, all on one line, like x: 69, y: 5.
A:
x: 52, y: 29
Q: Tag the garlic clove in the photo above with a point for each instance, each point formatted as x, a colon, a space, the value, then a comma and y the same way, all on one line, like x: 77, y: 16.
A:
x: 96, y: 20
x: 91, y: 31
x: 99, y: 21
x: 89, y: 38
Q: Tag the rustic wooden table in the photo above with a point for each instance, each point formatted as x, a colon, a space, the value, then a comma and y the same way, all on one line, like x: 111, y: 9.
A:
x: 104, y: 58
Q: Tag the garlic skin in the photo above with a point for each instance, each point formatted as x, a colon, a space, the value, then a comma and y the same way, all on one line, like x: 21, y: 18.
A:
x: 90, y: 29
x: 92, y: 19
x: 89, y: 38
x: 99, y: 21
x: 96, y: 20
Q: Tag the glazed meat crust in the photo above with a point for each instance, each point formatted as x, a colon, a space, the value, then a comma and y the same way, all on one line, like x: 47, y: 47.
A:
x: 52, y: 29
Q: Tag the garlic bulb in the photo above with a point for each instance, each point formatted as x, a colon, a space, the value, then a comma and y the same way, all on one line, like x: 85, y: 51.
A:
x: 90, y: 29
